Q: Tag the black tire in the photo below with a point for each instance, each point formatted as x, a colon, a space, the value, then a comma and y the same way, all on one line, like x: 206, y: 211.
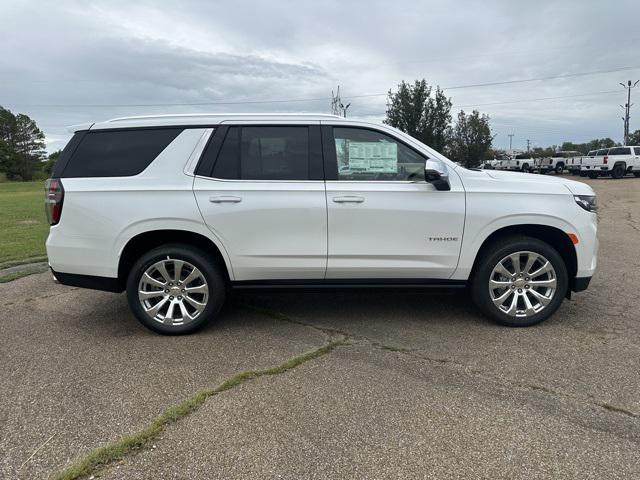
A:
x: 636, y: 174
x: 618, y: 171
x: 525, y: 168
x: 592, y: 175
x: 560, y: 168
x: 492, y: 254
x: 204, y: 262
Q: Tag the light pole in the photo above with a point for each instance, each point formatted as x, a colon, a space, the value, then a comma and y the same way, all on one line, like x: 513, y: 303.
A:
x: 627, y: 108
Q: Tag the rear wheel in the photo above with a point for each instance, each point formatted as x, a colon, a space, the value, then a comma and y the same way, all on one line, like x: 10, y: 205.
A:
x: 175, y: 289
x: 560, y: 168
x: 592, y: 174
x: 525, y: 168
x: 618, y: 171
x: 521, y: 283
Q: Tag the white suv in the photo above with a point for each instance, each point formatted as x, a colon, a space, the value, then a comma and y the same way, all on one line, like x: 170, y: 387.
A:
x: 177, y: 210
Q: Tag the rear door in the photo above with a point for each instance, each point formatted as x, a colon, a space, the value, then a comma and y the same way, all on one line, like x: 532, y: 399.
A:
x: 260, y: 189
x: 384, y: 220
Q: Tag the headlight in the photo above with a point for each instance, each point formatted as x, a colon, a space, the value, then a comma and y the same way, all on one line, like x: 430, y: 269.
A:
x: 588, y: 202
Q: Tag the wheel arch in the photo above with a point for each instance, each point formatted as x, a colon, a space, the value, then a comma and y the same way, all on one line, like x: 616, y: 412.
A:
x: 553, y: 236
x: 145, y: 241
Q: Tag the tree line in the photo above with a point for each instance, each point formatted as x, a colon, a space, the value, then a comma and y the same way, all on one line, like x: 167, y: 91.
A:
x: 22, y: 148
x: 425, y: 114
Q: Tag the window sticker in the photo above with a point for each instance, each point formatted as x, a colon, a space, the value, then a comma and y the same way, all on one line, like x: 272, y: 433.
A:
x: 374, y: 157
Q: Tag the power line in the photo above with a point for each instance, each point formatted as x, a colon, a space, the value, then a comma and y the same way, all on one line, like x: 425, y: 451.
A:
x: 316, y: 99
x: 524, y: 100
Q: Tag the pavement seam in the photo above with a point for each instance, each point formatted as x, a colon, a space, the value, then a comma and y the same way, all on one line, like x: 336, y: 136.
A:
x: 101, y: 457
x: 416, y: 353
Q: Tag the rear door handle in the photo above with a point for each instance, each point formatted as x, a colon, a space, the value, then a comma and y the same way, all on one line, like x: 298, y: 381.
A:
x: 225, y: 199
x: 348, y: 199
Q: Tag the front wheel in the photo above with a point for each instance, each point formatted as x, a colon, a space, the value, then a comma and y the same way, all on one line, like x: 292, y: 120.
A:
x: 175, y: 289
x: 559, y: 168
x: 521, y: 282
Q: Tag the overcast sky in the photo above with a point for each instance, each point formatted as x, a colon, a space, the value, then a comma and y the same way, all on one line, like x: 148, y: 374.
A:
x: 68, y: 62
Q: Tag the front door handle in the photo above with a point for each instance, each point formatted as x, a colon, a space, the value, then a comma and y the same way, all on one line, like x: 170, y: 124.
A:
x: 225, y: 199
x: 348, y: 199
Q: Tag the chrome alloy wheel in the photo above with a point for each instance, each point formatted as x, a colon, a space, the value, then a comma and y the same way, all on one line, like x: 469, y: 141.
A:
x: 173, y: 292
x: 522, y: 284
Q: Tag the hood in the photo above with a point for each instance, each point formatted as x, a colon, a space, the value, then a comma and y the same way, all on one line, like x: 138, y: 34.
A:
x: 531, y: 182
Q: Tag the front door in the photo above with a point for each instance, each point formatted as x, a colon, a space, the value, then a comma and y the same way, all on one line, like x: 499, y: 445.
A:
x: 264, y: 198
x: 384, y: 220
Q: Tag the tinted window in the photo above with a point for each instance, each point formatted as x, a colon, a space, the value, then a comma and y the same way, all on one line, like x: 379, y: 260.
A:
x: 602, y: 152
x: 264, y: 153
x: 118, y: 153
x: 371, y: 155
x: 620, y: 151
x: 637, y: 149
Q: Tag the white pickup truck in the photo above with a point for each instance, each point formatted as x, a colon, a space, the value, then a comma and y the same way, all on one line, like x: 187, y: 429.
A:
x: 521, y: 162
x: 616, y: 161
x: 559, y: 161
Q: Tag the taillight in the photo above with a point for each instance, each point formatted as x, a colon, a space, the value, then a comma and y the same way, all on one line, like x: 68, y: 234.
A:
x: 605, y: 159
x: 54, y: 196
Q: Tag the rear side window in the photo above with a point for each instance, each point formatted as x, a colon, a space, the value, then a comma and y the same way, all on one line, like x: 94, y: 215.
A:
x: 118, y: 153
x: 620, y: 151
x: 637, y: 149
x: 264, y: 153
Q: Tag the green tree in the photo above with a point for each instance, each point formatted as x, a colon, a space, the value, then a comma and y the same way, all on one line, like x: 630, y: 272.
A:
x: 420, y: 112
x: 47, y: 166
x: 470, y: 139
x: 23, y: 145
x: 634, y: 138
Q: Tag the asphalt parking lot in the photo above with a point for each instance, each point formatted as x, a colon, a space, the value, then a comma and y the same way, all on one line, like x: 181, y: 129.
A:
x: 418, y: 386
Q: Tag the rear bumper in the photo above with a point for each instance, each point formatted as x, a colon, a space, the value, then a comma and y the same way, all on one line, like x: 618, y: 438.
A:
x: 106, y: 284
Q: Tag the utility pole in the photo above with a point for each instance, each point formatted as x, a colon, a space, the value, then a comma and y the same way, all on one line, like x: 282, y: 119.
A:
x: 528, y: 144
x: 510, y: 140
x: 337, y: 107
x: 627, y: 108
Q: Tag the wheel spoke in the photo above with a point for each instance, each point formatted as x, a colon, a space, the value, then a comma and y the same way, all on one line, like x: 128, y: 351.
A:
x: 541, y: 298
x: 185, y: 313
x: 531, y: 259
x: 163, y: 271
x: 145, y: 295
x: 500, y: 300
x: 177, y: 265
x: 501, y: 269
x: 551, y: 283
x: 149, y: 279
x: 199, y: 289
x: 153, y: 311
x: 195, y: 273
x: 514, y: 305
x: 547, y: 267
x: 195, y: 304
x: 168, y: 318
x: 529, y: 307
x: 515, y: 262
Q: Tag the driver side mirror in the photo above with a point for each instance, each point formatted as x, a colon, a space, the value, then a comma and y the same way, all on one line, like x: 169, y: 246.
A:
x: 435, y: 173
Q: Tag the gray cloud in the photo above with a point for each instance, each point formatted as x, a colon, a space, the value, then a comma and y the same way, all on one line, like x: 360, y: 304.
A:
x: 70, y: 53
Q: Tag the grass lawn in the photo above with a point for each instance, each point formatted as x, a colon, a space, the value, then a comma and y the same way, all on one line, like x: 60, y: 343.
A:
x: 23, y: 222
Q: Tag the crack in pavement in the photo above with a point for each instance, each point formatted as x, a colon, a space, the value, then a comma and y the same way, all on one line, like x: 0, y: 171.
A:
x: 99, y: 458
x: 417, y: 353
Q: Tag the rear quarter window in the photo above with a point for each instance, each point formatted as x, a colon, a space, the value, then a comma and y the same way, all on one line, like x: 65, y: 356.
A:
x: 117, y: 153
